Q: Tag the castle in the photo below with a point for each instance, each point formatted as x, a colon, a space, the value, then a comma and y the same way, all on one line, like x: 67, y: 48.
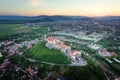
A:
x: 54, y: 42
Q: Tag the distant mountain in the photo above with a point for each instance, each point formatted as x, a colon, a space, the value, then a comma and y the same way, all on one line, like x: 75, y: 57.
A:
x: 46, y: 18
x: 23, y: 19
x: 110, y: 18
x: 43, y: 18
x: 9, y: 17
x: 56, y: 17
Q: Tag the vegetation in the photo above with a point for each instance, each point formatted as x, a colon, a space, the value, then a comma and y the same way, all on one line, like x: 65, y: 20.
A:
x: 113, y: 67
x: 110, y: 44
x: 73, y: 37
x: 7, y: 30
x: 10, y: 31
x: 81, y: 47
x: 91, y: 71
x: 1, y: 59
x: 20, y: 61
x: 93, y: 68
x: 42, y: 53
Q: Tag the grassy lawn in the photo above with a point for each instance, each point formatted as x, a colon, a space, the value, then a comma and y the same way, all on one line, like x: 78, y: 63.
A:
x: 40, y: 52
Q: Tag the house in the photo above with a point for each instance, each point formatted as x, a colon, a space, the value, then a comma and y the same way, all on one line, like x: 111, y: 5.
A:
x: 29, y: 46
x: 104, y: 53
x: 52, y: 40
x: 94, y: 46
x: 30, y: 71
x: 75, y: 55
x: 64, y: 48
x: 19, y: 45
x: 4, y: 64
x: 11, y: 53
x: 117, y: 78
x: 113, y: 54
x: 13, y: 49
x: 32, y: 76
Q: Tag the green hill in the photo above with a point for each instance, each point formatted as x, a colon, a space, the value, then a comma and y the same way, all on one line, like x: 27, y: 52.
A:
x: 42, y: 53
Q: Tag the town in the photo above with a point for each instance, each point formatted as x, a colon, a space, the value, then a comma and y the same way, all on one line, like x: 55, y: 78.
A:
x: 60, y: 50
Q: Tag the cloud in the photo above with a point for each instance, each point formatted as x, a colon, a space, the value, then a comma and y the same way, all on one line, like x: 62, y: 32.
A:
x: 35, y: 2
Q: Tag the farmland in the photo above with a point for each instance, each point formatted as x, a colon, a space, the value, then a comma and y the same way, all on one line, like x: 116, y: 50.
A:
x: 21, y: 31
x: 7, y: 30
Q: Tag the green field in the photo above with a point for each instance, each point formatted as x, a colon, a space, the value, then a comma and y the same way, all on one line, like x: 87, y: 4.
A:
x: 42, y: 53
x: 11, y: 31
x: 7, y: 30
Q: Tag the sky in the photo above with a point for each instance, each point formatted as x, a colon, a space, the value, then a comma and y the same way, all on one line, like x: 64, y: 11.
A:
x: 60, y: 7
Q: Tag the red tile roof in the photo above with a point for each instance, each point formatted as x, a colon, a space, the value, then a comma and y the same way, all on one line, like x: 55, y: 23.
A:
x: 74, y: 53
x: 4, y: 64
x: 61, y: 45
x: 117, y: 78
x: 52, y: 39
x: 31, y: 72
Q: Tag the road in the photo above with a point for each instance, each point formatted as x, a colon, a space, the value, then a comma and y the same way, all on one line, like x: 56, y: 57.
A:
x: 50, y: 63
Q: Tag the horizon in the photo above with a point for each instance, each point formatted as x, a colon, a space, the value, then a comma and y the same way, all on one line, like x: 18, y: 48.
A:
x: 93, y: 8
x: 64, y: 15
